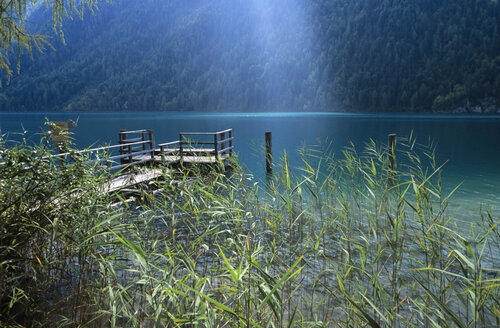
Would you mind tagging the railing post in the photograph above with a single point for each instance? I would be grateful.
(162, 154)
(223, 142)
(143, 139)
(181, 155)
(231, 142)
(151, 144)
(269, 152)
(121, 140)
(216, 147)
(392, 158)
(130, 158)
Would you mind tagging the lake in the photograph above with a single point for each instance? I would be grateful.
(471, 143)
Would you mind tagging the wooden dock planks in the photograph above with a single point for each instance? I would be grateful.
(172, 159)
(139, 161)
(133, 178)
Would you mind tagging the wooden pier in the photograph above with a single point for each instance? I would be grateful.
(140, 160)
(138, 147)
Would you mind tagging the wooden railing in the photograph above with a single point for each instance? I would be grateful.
(220, 145)
(167, 150)
(224, 145)
(115, 162)
(133, 142)
(137, 147)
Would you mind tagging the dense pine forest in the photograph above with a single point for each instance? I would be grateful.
(261, 55)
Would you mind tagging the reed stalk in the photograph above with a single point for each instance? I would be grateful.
(327, 244)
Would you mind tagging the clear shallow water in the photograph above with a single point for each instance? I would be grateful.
(470, 143)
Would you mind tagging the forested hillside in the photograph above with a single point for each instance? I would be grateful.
(260, 55)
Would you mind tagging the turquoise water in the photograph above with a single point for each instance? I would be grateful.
(471, 144)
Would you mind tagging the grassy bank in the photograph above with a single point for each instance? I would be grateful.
(328, 244)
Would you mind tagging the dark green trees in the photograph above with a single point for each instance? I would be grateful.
(18, 38)
(261, 55)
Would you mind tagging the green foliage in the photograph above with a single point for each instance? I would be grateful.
(418, 55)
(49, 209)
(329, 244)
(17, 38)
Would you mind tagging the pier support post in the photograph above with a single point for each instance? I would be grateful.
(392, 158)
(269, 152)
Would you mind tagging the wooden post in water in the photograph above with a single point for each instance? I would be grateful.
(269, 152)
(392, 158)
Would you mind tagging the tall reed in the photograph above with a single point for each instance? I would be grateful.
(330, 243)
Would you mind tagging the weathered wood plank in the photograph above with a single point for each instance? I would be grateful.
(131, 179)
(186, 150)
(186, 158)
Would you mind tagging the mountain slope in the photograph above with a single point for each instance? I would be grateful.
(240, 55)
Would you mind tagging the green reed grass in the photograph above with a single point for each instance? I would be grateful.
(328, 244)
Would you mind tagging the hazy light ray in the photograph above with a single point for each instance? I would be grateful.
(286, 54)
